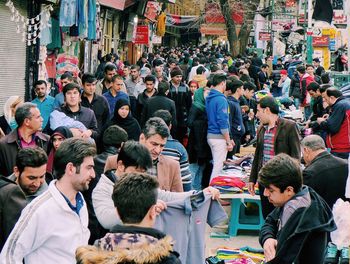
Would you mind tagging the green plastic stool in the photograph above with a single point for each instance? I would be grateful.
(244, 223)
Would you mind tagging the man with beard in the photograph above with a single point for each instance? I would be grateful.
(275, 135)
(134, 86)
(104, 85)
(52, 226)
(43, 101)
(16, 191)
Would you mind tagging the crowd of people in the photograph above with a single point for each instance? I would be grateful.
(97, 163)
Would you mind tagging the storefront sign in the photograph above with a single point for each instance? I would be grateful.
(151, 10)
(332, 45)
(119, 5)
(213, 30)
(141, 36)
(339, 17)
(320, 41)
(264, 36)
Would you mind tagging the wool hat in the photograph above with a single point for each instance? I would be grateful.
(114, 136)
(175, 72)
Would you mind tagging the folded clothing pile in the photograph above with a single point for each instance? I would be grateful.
(228, 184)
(244, 255)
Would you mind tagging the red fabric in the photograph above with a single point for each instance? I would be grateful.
(227, 181)
(340, 142)
(50, 64)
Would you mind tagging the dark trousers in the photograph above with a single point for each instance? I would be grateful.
(342, 155)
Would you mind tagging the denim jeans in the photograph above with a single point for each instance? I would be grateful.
(297, 103)
(197, 175)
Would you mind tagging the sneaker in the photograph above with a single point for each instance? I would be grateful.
(344, 256)
(332, 254)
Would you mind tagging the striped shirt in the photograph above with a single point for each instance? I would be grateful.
(269, 139)
(175, 150)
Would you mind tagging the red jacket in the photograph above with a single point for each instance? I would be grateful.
(305, 80)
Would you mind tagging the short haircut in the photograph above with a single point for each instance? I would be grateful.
(214, 68)
(248, 61)
(234, 85)
(309, 66)
(109, 67)
(88, 78)
(313, 142)
(264, 66)
(30, 157)
(23, 112)
(281, 171)
(313, 86)
(133, 153)
(249, 86)
(40, 82)
(133, 196)
(334, 92)
(150, 78)
(165, 115)
(69, 87)
(200, 70)
(163, 87)
(270, 102)
(108, 57)
(73, 150)
(155, 126)
(301, 69)
(135, 67)
(325, 78)
(67, 75)
(324, 87)
(218, 78)
(114, 136)
(117, 77)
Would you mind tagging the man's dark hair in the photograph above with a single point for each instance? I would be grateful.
(135, 154)
(67, 75)
(248, 61)
(155, 126)
(218, 78)
(135, 67)
(202, 60)
(88, 78)
(165, 115)
(324, 87)
(233, 85)
(313, 86)
(30, 157)
(232, 69)
(40, 82)
(73, 150)
(270, 102)
(309, 65)
(301, 69)
(325, 78)
(200, 70)
(249, 86)
(23, 112)
(163, 87)
(109, 67)
(114, 136)
(334, 92)
(281, 171)
(69, 87)
(133, 195)
(264, 66)
(214, 68)
(150, 78)
(108, 57)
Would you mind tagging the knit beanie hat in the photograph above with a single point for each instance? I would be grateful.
(175, 72)
(114, 136)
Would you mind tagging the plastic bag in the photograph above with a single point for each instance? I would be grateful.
(341, 213)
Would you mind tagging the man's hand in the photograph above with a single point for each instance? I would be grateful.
(251, 188)
(86, 134)
(270, 248)
(230, 145)
(247, 138)
(160, 206)
(215, 193)
(76, 132)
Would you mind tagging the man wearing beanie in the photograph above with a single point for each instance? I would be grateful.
(181, 95)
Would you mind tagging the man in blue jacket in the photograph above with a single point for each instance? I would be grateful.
(218, 123)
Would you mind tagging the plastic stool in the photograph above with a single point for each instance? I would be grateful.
(235, 223)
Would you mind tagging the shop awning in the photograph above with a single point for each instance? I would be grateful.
(117, 4)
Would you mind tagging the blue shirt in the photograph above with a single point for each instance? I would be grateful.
(45, 107)
(59, 100)
(79, 201)
(113, 100)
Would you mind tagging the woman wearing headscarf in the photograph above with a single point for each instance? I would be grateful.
(7, 121)
(59, 134)
(122, 117)
(198, 149)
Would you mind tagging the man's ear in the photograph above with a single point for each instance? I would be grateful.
(16, 171)
(152, 212)
(290, 191)
(120, 166)
(142, 138)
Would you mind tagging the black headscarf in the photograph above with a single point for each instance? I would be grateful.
(129, 124)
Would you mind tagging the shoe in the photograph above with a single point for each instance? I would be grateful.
(332, 254)
(344, 256)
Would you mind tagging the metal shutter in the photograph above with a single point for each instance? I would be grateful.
(12, 54)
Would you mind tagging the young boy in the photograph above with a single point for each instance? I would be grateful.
(296, 230)
(135, 198)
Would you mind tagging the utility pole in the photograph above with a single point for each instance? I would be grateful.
(309, 50)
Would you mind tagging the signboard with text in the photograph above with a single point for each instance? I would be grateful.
(264, 36)
(142, 35)
(322, 41)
